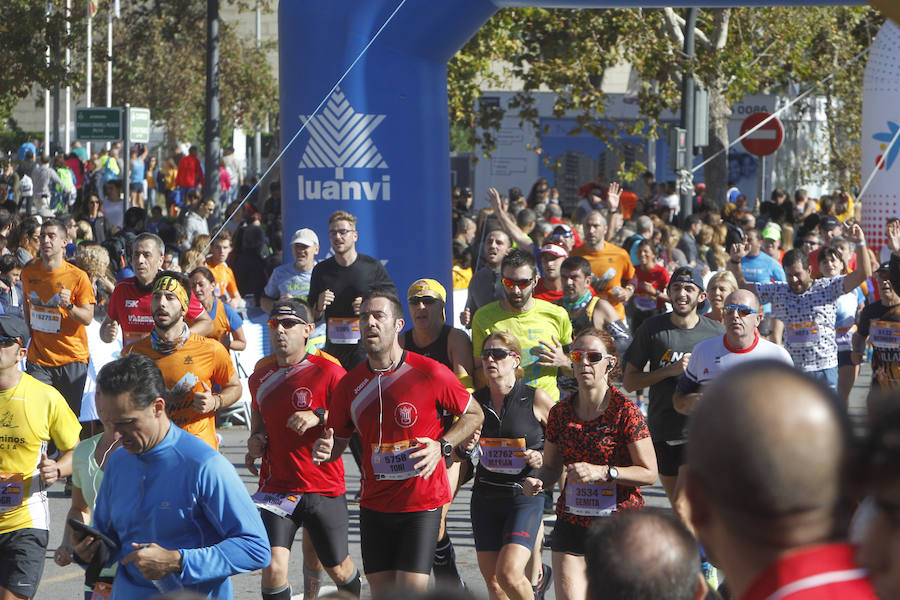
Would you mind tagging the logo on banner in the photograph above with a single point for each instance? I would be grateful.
(405, 415)
(340, 138)
(887, 157)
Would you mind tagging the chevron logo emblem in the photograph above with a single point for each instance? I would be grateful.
(339, 138)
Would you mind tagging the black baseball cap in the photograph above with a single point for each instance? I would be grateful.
(687, 275)
(829, 222)
(13, 326)
(885, 266)
(292, 307)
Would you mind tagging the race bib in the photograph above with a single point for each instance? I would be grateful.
(591, 499)
(803, 333)
(502, 455)
(885, 335)
(343, 331)
(45, 319)
(101, 591)
(644, 303)
(843, 336)
(12, 491)
(392, 461)
(282, 505)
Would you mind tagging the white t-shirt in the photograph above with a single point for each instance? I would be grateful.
(712, 357)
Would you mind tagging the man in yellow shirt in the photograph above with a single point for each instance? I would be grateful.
(31, 414)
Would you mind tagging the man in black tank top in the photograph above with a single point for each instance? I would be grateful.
(430, 336)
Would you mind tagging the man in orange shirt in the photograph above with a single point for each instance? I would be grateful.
(190, 364)
(59, 302)
(226, 286)
(609, 263)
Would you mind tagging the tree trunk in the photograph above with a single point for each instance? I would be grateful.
(715, 173)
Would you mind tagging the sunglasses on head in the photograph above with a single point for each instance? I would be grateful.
(497, 353)
(286, 323)
(741, 309)
(426, 300)
(8, 341)
(593, 356)
(519, 283)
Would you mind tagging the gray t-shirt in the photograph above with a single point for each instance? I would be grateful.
(286, 280)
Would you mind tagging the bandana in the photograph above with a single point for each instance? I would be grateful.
(167, 347)
(578, 304)
(170, 284)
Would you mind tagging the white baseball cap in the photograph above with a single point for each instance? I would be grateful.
(305, 236)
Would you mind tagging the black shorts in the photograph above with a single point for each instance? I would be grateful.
(69, 379)
(669, 458)
(844, 359)
(22, 555)
(568, 538)
(324, 517)
(136, 186)
(501, 520)
(398, 541)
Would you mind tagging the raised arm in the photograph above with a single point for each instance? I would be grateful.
(738, 251)
(509, 224)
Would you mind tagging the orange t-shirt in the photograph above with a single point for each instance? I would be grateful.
(56, 338)
(200, 360)
(225, 282)
(612, 266)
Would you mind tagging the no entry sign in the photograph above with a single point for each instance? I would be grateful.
(765, 140)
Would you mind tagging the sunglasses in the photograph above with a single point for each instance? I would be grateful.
(593, 356)
(426, 300)
(340, 232)
(497, 353)
(286, 323)
(563, 234)
(519, 283)
(741, 309)
(6, 341)
(810, 243)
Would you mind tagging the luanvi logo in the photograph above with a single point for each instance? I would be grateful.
(339, 139)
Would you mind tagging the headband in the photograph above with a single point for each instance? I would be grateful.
(167, 283)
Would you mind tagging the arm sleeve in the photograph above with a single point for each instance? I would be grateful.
(637, 352)
(315, 287)
(231, 286)
(64, 425)
(339, 412)
(112, 307)
(478, 335)
(84, 291)
(235, 321)
(231, 512)
(224, 368)
(778, 273)
(453, 397)
(271, 290)
(381, 277)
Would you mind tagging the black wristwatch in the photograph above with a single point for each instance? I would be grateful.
(446, 447)
(612, 474)
(320, 412)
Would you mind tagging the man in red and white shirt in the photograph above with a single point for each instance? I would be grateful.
(766, 481)
(291, 393)
(129, 304)
(394, 401)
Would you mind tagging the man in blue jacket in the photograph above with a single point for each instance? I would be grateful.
(176, 508)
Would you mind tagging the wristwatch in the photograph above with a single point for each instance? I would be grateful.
(320, 412)
(612, 474)
(446, 447)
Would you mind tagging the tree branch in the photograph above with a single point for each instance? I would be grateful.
(676, 23)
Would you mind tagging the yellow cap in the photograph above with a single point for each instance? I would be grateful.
(427, 287)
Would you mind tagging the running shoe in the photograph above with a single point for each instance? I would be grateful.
(544, 582)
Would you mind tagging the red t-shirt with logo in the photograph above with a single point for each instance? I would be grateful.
(130, 307)
(277, 393)
(408, 406)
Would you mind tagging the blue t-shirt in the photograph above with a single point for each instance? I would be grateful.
(762, 268)
(138, 169)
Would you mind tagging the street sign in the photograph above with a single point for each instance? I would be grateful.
(98, 124)
(139, 127)
(765, 140)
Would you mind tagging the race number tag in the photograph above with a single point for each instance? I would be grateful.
(843, 335)
(45, 319)
(644, 302)
(282, 505)
(502, 455)
(885, 335)
(803, 333)
(101, 591)
(392, 461)
(343, 331)
(591, 499)
(12, 490)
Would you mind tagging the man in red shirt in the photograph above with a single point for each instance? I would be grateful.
(394, 401)
(766, 484)
(129, 304)
(291, 392)
(190, 172)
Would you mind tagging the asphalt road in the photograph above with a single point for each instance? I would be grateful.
(66, 583)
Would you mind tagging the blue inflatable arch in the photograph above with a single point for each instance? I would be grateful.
(379, 148)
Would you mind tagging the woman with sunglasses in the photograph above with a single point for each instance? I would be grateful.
(228, 327)
(600, 439)
(505, 523)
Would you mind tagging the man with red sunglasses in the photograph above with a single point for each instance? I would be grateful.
(291, 392)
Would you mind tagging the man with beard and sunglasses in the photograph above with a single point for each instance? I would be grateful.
(543, 329)
(394, 401)
(190, 364)
(291, 393)
(741, 343)
(666, 342)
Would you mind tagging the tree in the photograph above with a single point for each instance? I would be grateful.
(740, 51)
